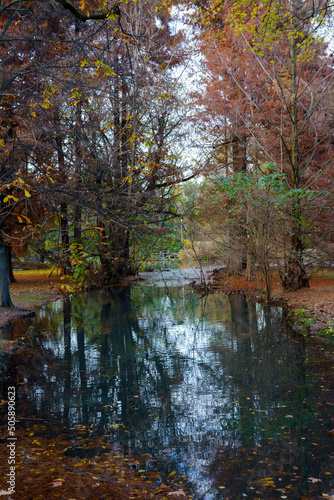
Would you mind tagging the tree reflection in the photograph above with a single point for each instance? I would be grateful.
(217, 394)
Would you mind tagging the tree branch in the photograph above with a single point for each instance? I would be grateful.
(115, 11)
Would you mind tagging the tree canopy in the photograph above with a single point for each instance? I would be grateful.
(94, 115)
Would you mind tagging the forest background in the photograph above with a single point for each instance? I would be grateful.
(124, 124)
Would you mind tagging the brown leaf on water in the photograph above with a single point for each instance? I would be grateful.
(178, 493)
(57, 483)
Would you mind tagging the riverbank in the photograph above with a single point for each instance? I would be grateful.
(315, 303)
(36, 288)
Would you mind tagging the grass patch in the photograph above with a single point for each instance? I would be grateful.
(301, 317)
(327, 332)
(42, 272)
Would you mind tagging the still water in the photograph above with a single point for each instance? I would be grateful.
(217, 389)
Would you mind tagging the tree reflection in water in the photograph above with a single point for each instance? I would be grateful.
(216, 388)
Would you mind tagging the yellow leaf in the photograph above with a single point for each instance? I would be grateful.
(27, 194)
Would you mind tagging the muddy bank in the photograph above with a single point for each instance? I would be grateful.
(317, 300)
(34, 288)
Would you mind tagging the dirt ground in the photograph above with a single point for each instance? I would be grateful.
(33, 289)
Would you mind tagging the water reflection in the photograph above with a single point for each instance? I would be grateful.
(215, 388)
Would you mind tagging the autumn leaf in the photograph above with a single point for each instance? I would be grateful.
(57, 482)
(178, 493)
(267, 481)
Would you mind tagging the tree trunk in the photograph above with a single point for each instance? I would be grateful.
(104, 254)
(122, 250)
(78, 169)
(11, 277)
(64, 236)
(250, 268)
(238, 261)
(5, 300)
(65, 240)
(294, 275)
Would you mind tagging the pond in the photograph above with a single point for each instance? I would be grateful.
(217, 389)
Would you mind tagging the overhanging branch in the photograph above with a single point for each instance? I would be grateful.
(114, 11)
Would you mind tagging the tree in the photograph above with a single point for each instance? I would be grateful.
(274, 46)
(22, 54)
(85, 127)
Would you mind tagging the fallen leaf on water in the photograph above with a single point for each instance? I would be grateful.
(314, 480)
(56, 483)
(267, 481)
(178, 493)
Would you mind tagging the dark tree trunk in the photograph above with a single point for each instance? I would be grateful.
(64, 236)
(122, 251)
(78, 169)
(293, 275)
(5, 300)
(65, 241)
(11, 277)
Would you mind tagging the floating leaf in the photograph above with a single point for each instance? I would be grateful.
(57, 482)
(178, 493)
